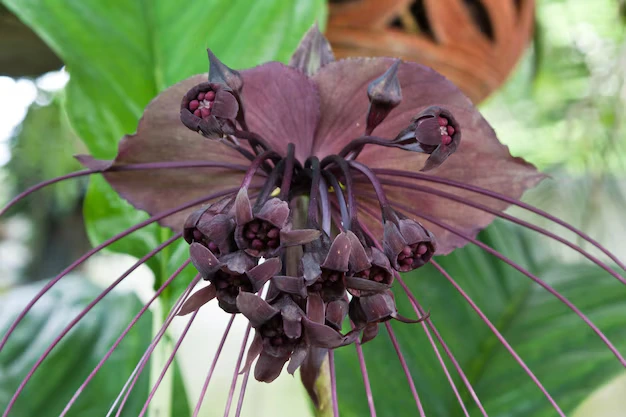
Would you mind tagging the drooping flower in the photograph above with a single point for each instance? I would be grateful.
(305, 161)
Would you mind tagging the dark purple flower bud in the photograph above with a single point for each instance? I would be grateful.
(313, 52)
(330, 282)
(284, 331)
(267, 229)
(407, 244)
(365, 312)
(203, 214)
(380, 272)
(209, 108)
(219, 73)
(239, 272)
(435, 132)
(384, 94)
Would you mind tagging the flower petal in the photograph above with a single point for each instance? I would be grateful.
(297, 358)
(256, 309)
(290, 285)
(338, 254)
(480, 160)
(197, 300)
(298, 237)
(282, 105)
(161, 137)
(203, 259)
(261, 273)
(253, 351)
(315, 308)
(321, 335)
(268, 367)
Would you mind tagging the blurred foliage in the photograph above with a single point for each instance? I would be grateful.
(78, 353)
(565, 354)
(570, 119)
(43, 148)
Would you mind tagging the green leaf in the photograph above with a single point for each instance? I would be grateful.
(120, 54)
(78, 353)
(566, 356)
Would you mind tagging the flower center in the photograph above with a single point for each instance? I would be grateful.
(445, 130)
(202, 104)
(410, 255)
(262, 235)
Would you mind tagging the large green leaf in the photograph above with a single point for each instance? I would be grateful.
(121, 53)
(565, 355)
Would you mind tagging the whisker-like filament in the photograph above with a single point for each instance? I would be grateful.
(108, 354)
(509, 218)
(501, 338)
(92, 304)
(502, 197)
(122, 168)
(205, 386)
(168, 363)
(231, 392)
(405, 368)
(366, 379)
(161, 332)
(428, 326)
(242, 393)
(103, 245)
(508, 261)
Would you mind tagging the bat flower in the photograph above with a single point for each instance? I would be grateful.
(324, 181)
(283, 332)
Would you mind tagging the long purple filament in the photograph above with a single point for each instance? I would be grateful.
(98, 248)
(509, 218)
(242, 393)
(405, 368)
(333, 383)
(121, 168)
(501, 338)
(508, 261)
(502, 197)
(428, 324)
(233, 384)
(146, 356)
(168, 363)
(366, 379)
(205, 386)
(88, 308)
(121, 337)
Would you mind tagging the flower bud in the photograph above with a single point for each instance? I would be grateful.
(209, 108)
(407, 244)
(384, 94)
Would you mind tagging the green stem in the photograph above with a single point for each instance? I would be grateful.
(323, 390)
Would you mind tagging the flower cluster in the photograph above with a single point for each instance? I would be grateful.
(317, 275)
(312, 173)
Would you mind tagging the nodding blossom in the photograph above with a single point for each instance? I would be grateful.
(300, 190)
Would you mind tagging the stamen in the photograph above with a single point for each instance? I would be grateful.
(231, 392)
(103, 245)
(502, 197)
(205, 386)
(405, 368)
(501, 338)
